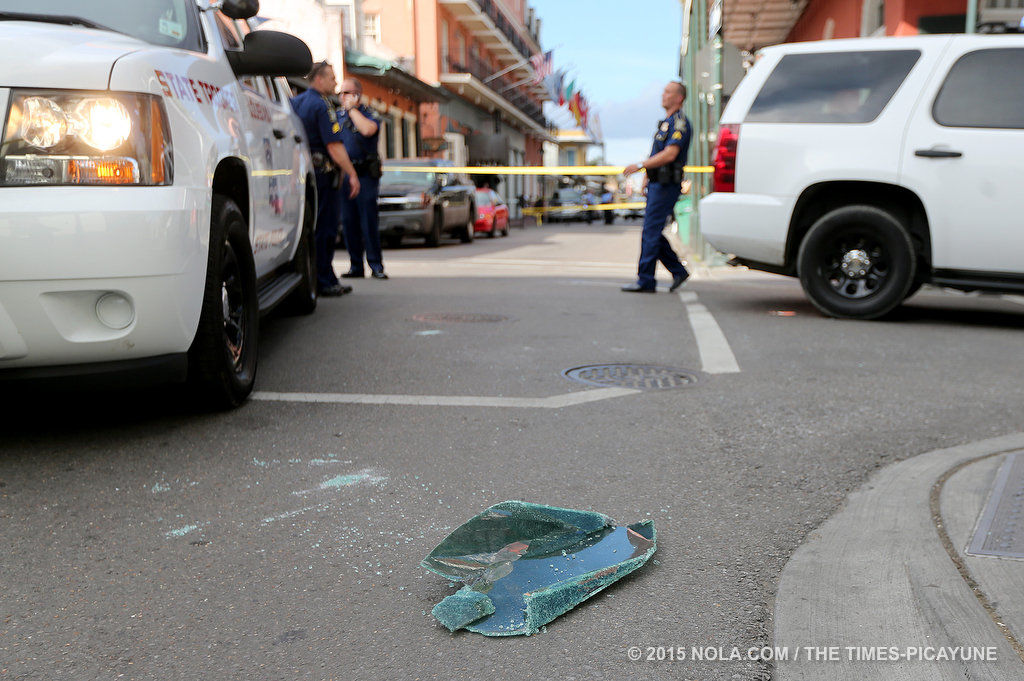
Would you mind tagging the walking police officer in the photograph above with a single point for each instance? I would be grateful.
(360, 131)
(330, 160)
(664, 178)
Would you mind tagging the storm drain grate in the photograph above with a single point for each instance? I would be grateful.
(1001, 529)
(447, 317)
(635, 376)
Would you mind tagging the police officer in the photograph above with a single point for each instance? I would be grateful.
(360, 130)
(664, 176)
(330, 161)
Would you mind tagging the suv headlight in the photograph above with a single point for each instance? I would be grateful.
(61, 137)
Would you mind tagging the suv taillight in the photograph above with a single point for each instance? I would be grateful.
(725, 158)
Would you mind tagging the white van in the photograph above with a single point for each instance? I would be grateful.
(156, 193)
(868, 167)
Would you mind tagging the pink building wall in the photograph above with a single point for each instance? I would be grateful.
(901, 17)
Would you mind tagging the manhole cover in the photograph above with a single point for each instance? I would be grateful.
(1001, 530)
(447, 317)
(635, 376)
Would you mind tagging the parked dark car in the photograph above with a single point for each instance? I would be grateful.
(567, 205)
(425, 204)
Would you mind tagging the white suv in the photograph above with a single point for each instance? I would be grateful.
(869, 167)
(156, 194)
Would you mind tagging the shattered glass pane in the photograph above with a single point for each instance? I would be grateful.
(525, 564)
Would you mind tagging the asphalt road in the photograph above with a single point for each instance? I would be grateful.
(143, 540)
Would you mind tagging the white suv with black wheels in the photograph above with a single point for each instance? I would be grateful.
(156, 194)
(868, 167)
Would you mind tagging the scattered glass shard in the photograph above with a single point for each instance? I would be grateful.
(463, 607)
(532, 563)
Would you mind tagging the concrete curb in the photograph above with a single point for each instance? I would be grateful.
(877, 576)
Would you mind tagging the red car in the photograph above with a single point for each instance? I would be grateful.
(491, 213)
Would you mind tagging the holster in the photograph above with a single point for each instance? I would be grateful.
(369, 167)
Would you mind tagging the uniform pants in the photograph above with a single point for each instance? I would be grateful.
(359, 220)
(327, 214)
(654, 247)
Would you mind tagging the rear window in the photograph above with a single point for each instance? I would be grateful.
(833, 87)
(984, 89)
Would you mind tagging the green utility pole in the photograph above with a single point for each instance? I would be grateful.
(972, 17)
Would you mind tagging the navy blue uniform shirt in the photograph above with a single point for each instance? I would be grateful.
(673, 130)
(357, 146)
(317, 115)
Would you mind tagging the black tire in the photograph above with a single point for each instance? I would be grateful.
(222, 359)
(393, 241)
(857, 262)
(433, 238)
(914, 288)
(494, 230)
(469, 232)
(303, 299)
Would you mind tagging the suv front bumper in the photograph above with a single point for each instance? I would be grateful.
(97, 274)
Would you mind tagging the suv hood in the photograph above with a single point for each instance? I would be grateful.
(39, 55)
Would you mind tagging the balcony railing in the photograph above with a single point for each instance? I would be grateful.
(505, 26)
(481, 71)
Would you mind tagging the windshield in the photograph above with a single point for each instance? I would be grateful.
(171, 23)
(407, 177)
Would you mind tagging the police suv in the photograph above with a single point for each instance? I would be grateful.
(869, 167)
(156, 196)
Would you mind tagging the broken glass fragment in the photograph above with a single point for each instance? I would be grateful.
(527, 564)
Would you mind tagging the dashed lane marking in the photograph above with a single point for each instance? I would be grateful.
(715, 354)
(553, 402)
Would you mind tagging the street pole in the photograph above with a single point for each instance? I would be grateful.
(972, 17)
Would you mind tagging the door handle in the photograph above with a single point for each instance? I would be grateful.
(937, 153)
(279, 134)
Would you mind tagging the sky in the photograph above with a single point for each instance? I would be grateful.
(621, 53)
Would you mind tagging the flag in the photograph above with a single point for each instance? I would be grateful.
(566, 96)
(574, 107)
(541, 66)
(553, 84)
(595, 127)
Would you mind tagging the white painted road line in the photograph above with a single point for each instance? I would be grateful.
(715, 354)
(553, 402)
(1013, 298)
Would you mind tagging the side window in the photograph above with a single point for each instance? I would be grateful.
(983, 89)
(834, 87)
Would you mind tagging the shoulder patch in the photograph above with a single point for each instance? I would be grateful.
(680, 123)
(335, 128)
(677, 135)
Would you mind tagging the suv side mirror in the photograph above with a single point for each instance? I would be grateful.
(271, 53)
(240, 9)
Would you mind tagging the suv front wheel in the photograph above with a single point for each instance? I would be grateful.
(857, 262)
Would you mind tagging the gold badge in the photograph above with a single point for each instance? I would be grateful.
(677, 135)
(335, 128)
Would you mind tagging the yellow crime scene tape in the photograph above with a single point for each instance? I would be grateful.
(546, 170)
(531, 170)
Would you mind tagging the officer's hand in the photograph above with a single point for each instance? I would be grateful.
(353, 184)
(630, 169)
(349, 101)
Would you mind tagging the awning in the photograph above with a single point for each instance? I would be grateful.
(753, 24)
(390, 75)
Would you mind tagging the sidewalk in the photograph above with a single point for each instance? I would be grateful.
(889, 573)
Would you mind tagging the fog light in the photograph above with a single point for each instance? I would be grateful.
(115, 311)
